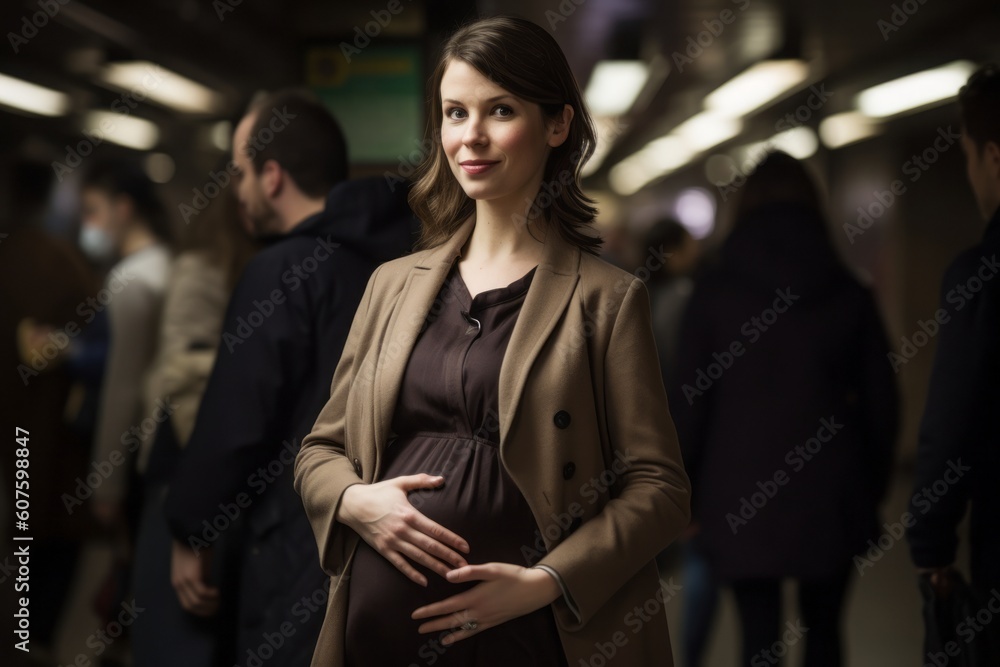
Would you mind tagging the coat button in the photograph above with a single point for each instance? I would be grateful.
(357, 467)
(561, 419)
(575, 523)
(568, 470)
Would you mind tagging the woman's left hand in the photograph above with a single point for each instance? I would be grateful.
(507, 591)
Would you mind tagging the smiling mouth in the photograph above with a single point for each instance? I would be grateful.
(477, 166)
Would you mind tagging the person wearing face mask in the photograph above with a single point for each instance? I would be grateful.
(124, 222)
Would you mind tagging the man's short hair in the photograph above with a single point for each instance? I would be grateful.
(293, 128)
(979, 105)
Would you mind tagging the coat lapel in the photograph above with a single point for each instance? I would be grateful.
(547, 297)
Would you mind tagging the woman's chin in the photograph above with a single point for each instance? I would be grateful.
(478, 192)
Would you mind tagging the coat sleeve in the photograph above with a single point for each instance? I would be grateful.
(652, 505)
(322, 469)
(958, 409)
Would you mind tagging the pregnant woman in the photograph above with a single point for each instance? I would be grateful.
(497, 468)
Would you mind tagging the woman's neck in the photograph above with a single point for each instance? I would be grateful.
(501, 236)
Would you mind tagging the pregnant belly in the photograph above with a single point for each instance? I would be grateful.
(478, 500)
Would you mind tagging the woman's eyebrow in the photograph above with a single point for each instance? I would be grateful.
(492, 99)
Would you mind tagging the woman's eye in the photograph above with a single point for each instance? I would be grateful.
(451, 112)
(507, 111)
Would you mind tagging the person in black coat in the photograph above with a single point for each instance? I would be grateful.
(958, 451)
(283, 333)
(787, 411)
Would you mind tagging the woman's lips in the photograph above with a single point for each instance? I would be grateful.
(477, 167)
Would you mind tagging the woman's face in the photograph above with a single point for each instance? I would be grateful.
(496, 143)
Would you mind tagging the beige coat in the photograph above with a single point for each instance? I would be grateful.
(190, 330)
(581, 406)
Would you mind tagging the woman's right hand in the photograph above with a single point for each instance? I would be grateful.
(382, 515)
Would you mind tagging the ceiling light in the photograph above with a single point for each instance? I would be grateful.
(146, 79)
(757, 86)
(628, 177)
(20, 94)
(672, 151)
(707, 129)
(799, 142)
(668, 152)
(846, 128)
(129, 131)
(658, 158)
(614, 85)
(915, 90)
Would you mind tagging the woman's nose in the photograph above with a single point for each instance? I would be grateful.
(475, 134)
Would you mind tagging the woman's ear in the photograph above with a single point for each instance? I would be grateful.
(559, 126)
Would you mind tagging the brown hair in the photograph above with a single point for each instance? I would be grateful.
(307, 140)
(524, 59)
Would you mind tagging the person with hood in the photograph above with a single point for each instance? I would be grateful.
(787, 413)
(282, 336)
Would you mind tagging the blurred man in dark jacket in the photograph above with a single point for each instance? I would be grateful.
(958, 457)
(283, 334)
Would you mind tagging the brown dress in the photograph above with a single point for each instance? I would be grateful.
(447, 423)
